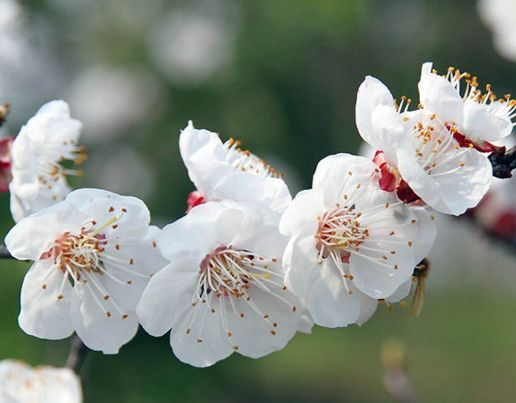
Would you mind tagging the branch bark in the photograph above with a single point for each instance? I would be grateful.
(503, 162)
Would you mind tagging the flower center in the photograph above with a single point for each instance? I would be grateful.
(338, 232)
(76, 255)
(245, 161)
(51, 171)
(229, 272)
(504, 107)
(436, 149)
(84, 261)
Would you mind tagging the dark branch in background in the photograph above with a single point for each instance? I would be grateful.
(503, 162)
(4, 253)
(77, 354)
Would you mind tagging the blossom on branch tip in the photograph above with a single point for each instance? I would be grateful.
(419, 154)
(475, 119)
(223, 290)
(93, 255)
(224, 171)
(19, 383)
(351, 243)
(38, 175)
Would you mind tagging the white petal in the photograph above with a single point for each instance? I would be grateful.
(329, 302)
(35, 234)
(273, 192)
(371, 94)
(259, 230)
(453, 193)
(201, 231)
(130, 214)
(98, 329)
(377, 277)
(388, 126)
(301, 215)
(169, 294)
(342, 177)
(300, 262)
(368, 307)
(255, 332)
(401, 293)
(199, 149)
(200, 339)
(43, 313)
(422, 232)
(481, 123)
(439, 96)
(130, 268)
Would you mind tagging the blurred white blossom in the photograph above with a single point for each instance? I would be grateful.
(500, 16)
(111, 100)
(19, 383)
(190, 45)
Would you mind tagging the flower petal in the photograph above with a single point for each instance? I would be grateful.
(301, 215)
(342, 177)
(168, 295)
(201, 231)
(439, 96)
(45, 302)
(35, 234)
(371, 94)
(482, 123)
(263, 324)
(102, 330)
(450, 193)
(329, 302)
(300, 262)
(200, 339)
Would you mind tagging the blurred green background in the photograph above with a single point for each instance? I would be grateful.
(281, 76)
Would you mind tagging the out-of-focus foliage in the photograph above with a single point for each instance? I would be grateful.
(281, 76)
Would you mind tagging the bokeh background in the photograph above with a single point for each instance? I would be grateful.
(281, 76)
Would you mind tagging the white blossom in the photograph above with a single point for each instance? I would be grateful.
(418, 154)
(477, 116)
(350, 242)
(93, 255)
(223, 171)
(19, 383)
(38, 176)
(190, 45)
(223, 290)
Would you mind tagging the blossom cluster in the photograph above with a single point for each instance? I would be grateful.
(247, 266)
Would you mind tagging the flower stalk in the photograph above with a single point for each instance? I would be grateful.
(77, 354)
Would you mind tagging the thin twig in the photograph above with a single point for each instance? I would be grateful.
(77, 354)
(4, 253)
